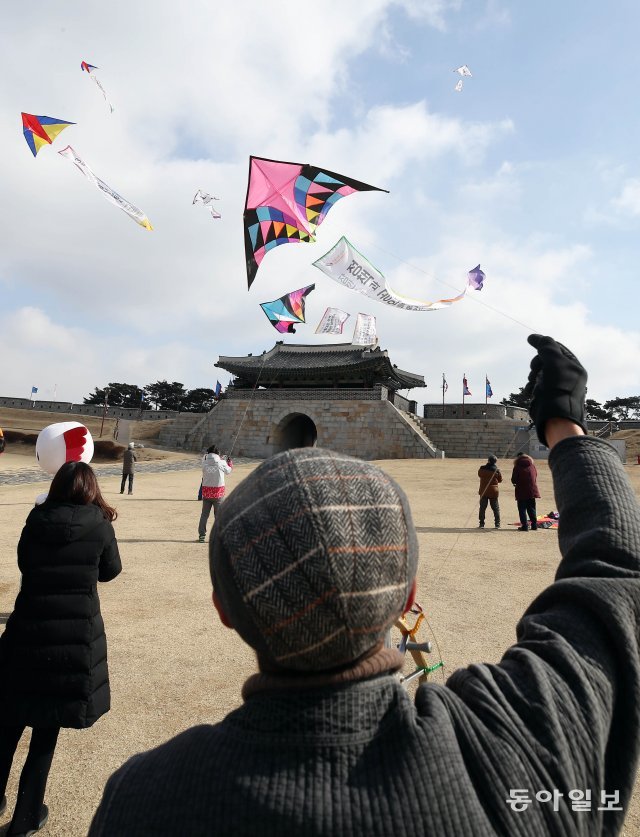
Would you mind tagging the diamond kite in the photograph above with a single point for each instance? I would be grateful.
(463, 71)
(89, 68)
(207, 200)
(345, 265)
(284, 313)
(113, 197)
(41, 130)
(286, 202)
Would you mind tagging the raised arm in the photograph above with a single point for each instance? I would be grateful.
(565, 699)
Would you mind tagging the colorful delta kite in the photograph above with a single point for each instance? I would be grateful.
(41, 130)
(207, 200)
(284, 313)
(89, 68)
(286, 202)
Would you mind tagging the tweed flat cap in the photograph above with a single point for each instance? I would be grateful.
(312, 557)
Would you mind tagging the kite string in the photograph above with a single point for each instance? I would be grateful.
(475, 299)
(446, 558)
(250, 399)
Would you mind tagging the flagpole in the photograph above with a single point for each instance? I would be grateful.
(464, 378)
(443, 395)
(486, 396)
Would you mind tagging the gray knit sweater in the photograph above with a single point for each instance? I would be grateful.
(560, 711)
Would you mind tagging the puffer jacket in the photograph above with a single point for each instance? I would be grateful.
(53, 652)
(490, 477)
(525, 478)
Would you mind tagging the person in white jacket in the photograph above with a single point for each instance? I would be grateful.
(213, 470)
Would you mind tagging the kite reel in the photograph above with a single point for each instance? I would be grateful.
(411, 642)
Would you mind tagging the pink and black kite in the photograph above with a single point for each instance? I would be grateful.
(286, 202)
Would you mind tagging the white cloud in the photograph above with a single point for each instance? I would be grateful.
(628, 201)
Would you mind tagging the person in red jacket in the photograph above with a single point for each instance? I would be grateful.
(525, 478)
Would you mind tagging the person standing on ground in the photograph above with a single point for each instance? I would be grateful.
(490, 478)
(312, 557)
(213, 488)
(525, 478)
(2, 442)
(53, 652)
(128, 468)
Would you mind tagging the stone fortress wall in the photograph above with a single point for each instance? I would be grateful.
(131, 413)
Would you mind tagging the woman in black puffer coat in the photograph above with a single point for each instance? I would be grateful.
(53, 653)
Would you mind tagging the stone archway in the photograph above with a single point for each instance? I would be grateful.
(295, 430)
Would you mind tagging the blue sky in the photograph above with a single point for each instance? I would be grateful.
(532, 170)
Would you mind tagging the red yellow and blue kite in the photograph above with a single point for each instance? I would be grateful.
(286, 202)
(88, 68)
(41, 130)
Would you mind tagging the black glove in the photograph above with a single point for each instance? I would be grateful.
(557, 384)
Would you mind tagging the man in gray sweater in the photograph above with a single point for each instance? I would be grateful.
(312, 557)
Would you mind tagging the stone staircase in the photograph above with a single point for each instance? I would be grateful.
(471, 438)
(425, 448)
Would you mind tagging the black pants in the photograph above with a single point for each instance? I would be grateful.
(33, 779)
(495, 508)
(528, 507)
(124, 479)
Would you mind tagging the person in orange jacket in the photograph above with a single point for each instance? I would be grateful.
(490, 478)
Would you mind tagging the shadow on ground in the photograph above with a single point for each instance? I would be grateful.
(461, 530)
(155, 540)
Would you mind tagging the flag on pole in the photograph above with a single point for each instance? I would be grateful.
(34, 390)
(218, 389)
(488, 390)
(445, 385)
(465, 386)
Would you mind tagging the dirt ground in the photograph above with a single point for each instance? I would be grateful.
(173, 665)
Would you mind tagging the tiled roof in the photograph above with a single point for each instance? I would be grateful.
(293, 361)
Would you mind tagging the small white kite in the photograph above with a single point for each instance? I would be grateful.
(332, 321)
(463, 71)
(207, 200)
(365, 334)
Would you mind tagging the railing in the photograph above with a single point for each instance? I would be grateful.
(379, 393)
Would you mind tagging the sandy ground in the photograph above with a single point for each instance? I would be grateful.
(173, 665)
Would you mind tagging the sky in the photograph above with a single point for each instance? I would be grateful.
(532, 170)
